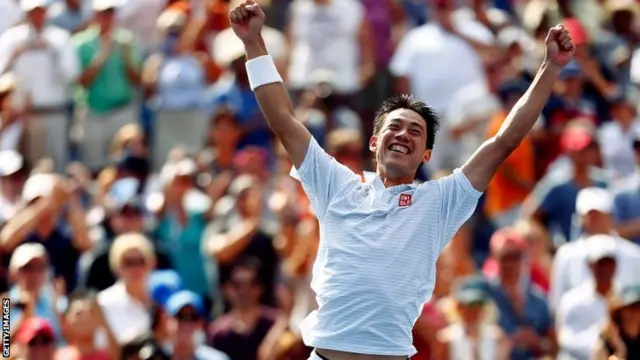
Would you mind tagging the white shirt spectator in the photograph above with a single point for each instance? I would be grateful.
(126, 316)
(439, 64)
(571, 269)
(43, 74)
(326, 37)
(617, 150)
(581, 315)
(11, 14)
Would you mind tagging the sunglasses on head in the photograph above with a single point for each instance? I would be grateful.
(41, 340)
(133, 262)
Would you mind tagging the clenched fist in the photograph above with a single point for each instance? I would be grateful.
(247, 20)
(560, 46)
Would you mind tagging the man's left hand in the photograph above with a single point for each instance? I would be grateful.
(560, 46)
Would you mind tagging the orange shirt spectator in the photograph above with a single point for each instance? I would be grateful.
(513, 181)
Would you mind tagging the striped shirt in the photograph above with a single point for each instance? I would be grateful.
(376, 261)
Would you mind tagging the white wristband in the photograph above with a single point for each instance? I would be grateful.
(262, 71)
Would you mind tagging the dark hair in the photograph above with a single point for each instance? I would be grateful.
(408, 102)
(79, 295)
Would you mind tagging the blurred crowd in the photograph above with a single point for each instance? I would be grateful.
(147, 212)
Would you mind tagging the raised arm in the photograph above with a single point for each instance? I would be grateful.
(247, 20)
(481, 167)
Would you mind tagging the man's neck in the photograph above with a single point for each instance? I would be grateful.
(603, 288)
(581, 176)
(391, 181)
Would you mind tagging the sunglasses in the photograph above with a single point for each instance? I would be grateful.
(133, 262)
(40, 340)
(187, 317)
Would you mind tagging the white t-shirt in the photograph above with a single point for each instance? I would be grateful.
(326, 37)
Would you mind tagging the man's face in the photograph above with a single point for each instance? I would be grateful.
(33, 275)
(400, 146)
(603, 270)
(596, 222)
(37, 16)
(243, 289)
(79, 318)
(225, 132)
(509, 263)
(186, 322)
(41, 347)
(573, 86)
(106, 18)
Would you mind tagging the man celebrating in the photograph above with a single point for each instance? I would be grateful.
(379, 240)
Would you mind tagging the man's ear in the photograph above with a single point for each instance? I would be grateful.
(373, 143)
(427, 156)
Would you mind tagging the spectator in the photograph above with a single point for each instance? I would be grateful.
(616, 139)
(570, 265)
(36, 340)
(125, 304)
(71, 15)
(430, 322)
(11, 112)
(621, 338)
(583, 311)
(472, 332)
(41, 221)
(554, 201)
(626, 210)
(12, 14)
(31, 292)
(186, 324)
(182, 220)
(240, 332)
(333, 35)
(175, 81)
(523, 310)
(143, 347)
(111, 64)
(26, 51)
(224, 136)
(81, 321)
(242, 233)
(13, 174)
(232, 88)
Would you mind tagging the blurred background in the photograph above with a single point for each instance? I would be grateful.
(146, 210)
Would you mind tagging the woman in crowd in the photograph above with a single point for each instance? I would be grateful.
(621, 339)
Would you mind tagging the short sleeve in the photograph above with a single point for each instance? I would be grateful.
(323, 178)
(400, 64)
(459, 201)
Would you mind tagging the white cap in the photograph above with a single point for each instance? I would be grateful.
(28, 5)
(170, 19)
(24, 253)
(601, 247)
(38, 185)
(593, 198)
(102, 5)
(227, 47)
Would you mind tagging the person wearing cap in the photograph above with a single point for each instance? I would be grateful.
(175, 80)
(523, 309)
(583, 311)
(620, 339)
(111, 63)
(46, 80)
(472, 332)
(243, 232)
(616, 138)
(35, 339)
(124, 213)
(553, 200)
(570, 270)
(126, 303)
(54, 217)
(31, 292)
(187, 316)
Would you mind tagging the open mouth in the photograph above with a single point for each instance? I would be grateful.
(399, 148)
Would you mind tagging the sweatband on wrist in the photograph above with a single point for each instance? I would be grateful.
(262, 71)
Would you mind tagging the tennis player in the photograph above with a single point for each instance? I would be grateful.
(379, 240)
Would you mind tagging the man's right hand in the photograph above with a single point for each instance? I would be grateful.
(247, 20)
